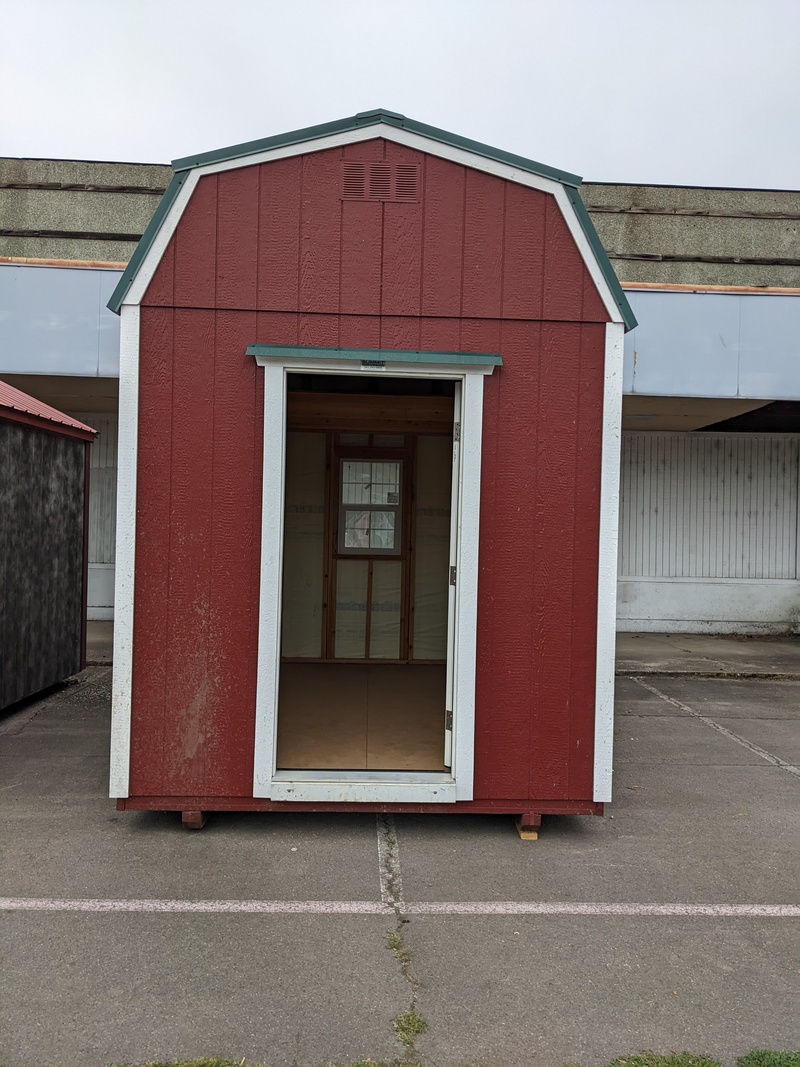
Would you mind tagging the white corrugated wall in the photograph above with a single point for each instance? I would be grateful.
(102, 513)
(709, 532)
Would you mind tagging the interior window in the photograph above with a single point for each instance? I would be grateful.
(369, 507)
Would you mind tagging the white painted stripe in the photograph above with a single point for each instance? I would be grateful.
(370, 907)
(757, 750)
(512, 907)
(243, 907)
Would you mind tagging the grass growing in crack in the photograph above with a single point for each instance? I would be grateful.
(394, 941)
(409, 1026)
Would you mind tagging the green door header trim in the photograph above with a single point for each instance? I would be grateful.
(375, 355)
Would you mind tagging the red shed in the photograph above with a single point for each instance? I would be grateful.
(370, 394)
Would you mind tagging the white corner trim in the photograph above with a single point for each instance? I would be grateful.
(607, 564)
(125, 552)
(392, 787)
(461, 156)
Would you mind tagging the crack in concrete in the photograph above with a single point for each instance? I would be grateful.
(391, 880)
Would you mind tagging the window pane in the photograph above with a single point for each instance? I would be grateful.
(354, 439)
(356, 481)
(386, 440)
(381, 530)
(356, 529)
(385, 483)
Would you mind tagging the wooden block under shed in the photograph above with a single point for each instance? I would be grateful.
(194, 820)
(527, 826)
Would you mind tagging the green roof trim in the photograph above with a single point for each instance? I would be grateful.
(146, 240)
(376, 355)
(182, 167)
(374, 118)
(603, 262)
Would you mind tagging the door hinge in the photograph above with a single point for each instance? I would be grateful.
(448, 720)
(456, 431)
(452, 576)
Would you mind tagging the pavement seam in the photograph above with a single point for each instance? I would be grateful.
(391, 882)
(757, 750)
(389, 873)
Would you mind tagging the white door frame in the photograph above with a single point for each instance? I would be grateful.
(366, 786)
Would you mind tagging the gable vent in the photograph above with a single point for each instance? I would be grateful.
(396, 183)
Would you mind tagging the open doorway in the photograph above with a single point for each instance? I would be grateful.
(367, 550)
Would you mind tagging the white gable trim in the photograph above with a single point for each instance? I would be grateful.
(369, 133)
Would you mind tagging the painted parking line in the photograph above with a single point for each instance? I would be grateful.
(370, 907)
(757, 750)
(240, 907)
(548, 907)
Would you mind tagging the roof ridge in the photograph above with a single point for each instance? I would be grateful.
(13, 399)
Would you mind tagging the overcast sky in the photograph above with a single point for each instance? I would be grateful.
(692, 92)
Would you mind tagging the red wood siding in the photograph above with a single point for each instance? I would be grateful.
(197, 566)
(277, 237)
(271, 254)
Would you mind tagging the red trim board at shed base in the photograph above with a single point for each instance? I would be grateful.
(370, 397)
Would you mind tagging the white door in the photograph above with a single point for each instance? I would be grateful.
(453, 580)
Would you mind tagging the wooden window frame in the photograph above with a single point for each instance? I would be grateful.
(404, 555)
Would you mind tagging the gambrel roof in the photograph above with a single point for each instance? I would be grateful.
(366, 126)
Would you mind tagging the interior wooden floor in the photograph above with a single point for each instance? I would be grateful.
(367, 717)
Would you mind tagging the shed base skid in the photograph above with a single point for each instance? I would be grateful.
(529, 812)
(194, 820)
(528, 825)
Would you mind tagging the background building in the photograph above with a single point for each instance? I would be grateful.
(711, 407)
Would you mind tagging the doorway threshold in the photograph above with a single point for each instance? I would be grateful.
(421, 787)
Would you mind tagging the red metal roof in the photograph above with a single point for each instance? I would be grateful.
(18, 406)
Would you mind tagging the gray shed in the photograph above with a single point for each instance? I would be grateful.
(44, 499)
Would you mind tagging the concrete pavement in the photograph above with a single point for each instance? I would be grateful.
(700, 817)
(708, 654)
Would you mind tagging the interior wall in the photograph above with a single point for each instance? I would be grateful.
(304, 546)
(432, 548)
(304, 556)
